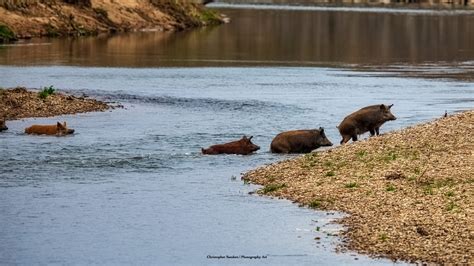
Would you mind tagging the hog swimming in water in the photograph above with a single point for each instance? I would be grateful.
(243, 146)
(3, 126)
(299, 141)
(58, 129)
(369, 118)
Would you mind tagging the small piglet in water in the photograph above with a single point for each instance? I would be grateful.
(243, 146)
(299, 141)
(58, 129)
(369, 118)
(2, 125)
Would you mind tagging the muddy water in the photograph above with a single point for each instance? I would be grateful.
(130, 187)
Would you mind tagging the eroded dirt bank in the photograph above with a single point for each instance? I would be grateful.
(84, 17)
(409, 194)
(22, 103)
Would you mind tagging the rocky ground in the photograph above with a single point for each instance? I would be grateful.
(58, 18)
(22, 103)
(409, 194)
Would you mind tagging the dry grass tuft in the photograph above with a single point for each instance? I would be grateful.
(409, 193)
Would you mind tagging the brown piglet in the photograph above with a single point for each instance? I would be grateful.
(3, 126)
(243, 146)
(58, 129)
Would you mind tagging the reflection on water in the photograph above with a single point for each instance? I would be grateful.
(272, 37)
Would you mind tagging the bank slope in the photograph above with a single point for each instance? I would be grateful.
(409, 194)
(28, 18)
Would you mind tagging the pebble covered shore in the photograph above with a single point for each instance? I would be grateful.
(409, 194)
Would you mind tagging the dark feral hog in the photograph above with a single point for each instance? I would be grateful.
(2, 125)
(299, 141)
(243, 146)
(369, 118)
(58, 129)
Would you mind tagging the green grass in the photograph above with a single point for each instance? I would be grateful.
(391, 156)
(351, 185)
(46, 91)
(314, 204)
(451, 206)
(6, 34)
(361, 154)
(209, 17)
(330, 173)
(383, 237)
(390, 188)
(272, 187)
(450, 193)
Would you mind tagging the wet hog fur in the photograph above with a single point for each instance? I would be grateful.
(369, 118)
(243, 146)
(3, 126)
(299, 141)
(58, 129)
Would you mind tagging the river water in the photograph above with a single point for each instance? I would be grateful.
(131, 187)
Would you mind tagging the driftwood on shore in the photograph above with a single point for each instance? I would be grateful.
(409, 194)
(22, 103)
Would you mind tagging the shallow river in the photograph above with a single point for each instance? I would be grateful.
(131, 187)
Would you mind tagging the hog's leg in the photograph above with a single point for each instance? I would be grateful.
(354, 137)
(345, 139)
(372, 132)
(377, 130)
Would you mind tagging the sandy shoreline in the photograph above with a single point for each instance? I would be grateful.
(409, 193)
(20, 103)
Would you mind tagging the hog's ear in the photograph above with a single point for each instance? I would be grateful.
(250, 138)
(59, 125)
(64, 124)
(244, 137)
(321, 130)
(390, 106)
(383, 107)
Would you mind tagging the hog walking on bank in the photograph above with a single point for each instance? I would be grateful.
(243, 146)
(2, 125)
(58, 129)
(299, 141)
(369, 118)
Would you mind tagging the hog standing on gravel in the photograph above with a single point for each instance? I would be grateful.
(243, 146)
(2, 125)
(58, 129)
(299, 141)
(369, 118)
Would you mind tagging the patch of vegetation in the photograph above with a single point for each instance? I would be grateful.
(330, 173)
(451, 206)
(361, 154)
(46, 91)
(272, 187)
(51, 31)
(351, 185)
(391, 156)
(430, 186)
(383, 237)
(318, 228)
(450, 193)
(315, 204)
(6, 34)
(390, 188)
(209, 17)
